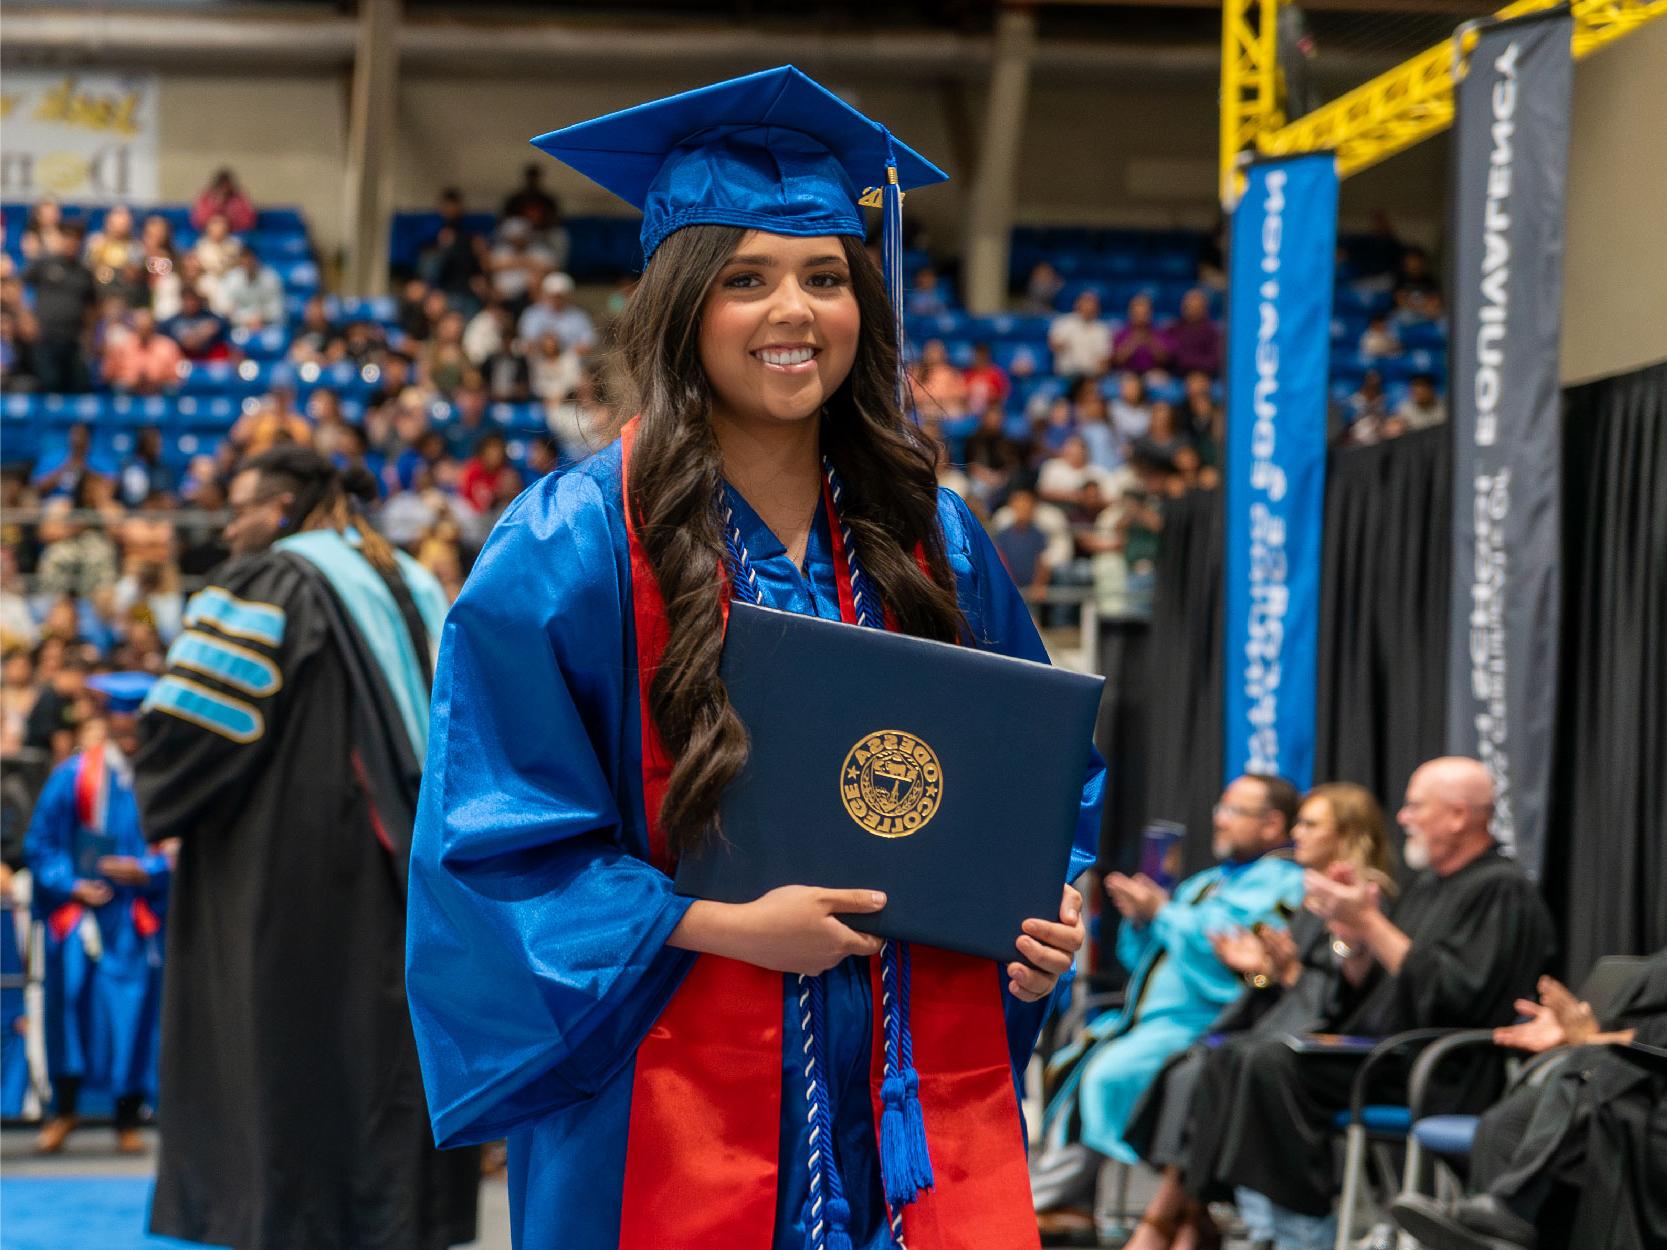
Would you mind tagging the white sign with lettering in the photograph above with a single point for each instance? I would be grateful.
(86, 138)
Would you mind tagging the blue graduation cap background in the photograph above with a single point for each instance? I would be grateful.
(123, 692)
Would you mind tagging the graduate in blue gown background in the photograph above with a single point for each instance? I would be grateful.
(580, 737)
(100, 891)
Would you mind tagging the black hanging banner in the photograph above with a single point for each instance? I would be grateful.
(1510, 150)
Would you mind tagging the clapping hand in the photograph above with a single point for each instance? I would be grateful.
(1138, 898)
(1242, 951)
(1284, 960)
(1339, 896)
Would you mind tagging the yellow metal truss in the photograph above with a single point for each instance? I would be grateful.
(1250, 88)
(1396, 109)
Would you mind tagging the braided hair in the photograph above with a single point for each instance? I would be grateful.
(324, 497)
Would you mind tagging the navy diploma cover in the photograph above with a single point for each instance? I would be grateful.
(946, 776)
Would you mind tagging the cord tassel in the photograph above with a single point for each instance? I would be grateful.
(905, 1162)
(914, 1120)
(839, 1219)
(827, 1215)
(891, 255)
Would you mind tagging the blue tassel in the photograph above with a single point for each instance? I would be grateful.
(914, 1122)
(897, 1173)
(839, 1219)
(914, 1131)
(905, 1162)
(891, 254)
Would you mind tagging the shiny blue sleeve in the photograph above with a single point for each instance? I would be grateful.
(48, 847)
(536, 956)
(1000, 621)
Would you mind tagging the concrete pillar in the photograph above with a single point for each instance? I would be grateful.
(370, 143)
(994, 189)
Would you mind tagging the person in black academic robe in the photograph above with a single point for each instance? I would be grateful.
(281, 747)
(1532, 1172)
(1469, 937)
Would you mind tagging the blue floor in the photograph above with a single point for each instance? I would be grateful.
(78, 1213)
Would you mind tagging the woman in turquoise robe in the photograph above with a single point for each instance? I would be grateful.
(1177, 986)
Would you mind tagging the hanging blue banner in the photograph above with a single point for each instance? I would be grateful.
(1282, 259)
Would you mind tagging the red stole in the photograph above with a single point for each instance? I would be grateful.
(702, 1152)
(92, 809)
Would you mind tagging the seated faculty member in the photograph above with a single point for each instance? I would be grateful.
(1177, 985)
(1467, 940)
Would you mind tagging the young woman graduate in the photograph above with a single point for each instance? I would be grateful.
(661, 1081)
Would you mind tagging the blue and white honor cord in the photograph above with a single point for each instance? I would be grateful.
(905, 1165)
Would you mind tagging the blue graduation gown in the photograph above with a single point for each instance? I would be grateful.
(1176, 988)
(536, 950)
(101, 1014)
(14, 1058)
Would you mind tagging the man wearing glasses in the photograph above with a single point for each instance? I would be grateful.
(1177, 986)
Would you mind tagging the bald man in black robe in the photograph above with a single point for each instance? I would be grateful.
(1469, 938)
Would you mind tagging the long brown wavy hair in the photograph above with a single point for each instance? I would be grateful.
(885, 463)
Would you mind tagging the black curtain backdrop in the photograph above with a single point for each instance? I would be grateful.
(1383, 653)
(1164, 749)
(1382, 688)
(1606, 865)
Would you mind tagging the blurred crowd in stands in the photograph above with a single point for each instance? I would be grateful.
(145, 354)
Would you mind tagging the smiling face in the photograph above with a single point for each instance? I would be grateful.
(779, 328)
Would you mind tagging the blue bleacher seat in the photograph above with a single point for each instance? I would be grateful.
(271, 343)
(277, 248)
(280, 221)
(1182, 267)
(67, 410)
(181, 449)
(604, 248)
(18, 407)
(410, 232)
(345, 378)
(214, 414)
(138, 411)
(527, 418)
(1360, 300)
(381, 308)
(1021, 358)
(299, 276)
(208, 377)
(1171, 391)
(1423, 336)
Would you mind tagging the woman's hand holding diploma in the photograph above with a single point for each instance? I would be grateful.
(1051, 947)
(793, 928)
(796, 928)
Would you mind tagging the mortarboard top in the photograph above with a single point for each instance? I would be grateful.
(123, 692)
(772, 151)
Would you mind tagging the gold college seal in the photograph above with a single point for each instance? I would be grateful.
(890, 783)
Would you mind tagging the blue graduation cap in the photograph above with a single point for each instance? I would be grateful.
(123, 692)
(773, 151)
